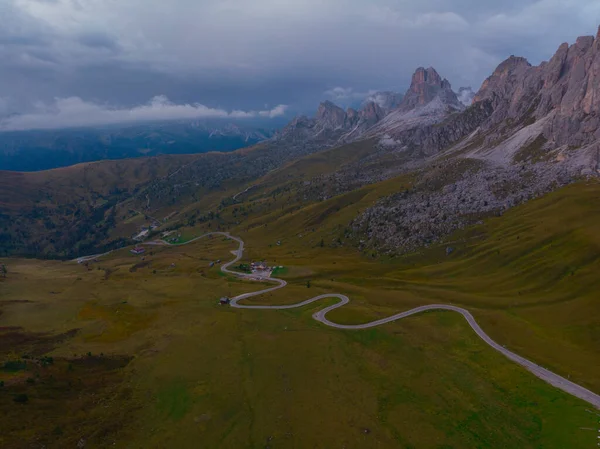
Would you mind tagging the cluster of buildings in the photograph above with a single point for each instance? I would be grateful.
(260, 267)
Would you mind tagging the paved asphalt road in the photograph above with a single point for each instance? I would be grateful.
(544, 374)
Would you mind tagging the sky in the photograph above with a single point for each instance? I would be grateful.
(86, 62)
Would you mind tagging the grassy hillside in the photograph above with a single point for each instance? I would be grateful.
(530, 276)
(66, 211)
(94, 178)
(142, 356)
(90, 207)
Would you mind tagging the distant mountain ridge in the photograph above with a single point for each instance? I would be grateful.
(429, 99)
(426, 84)
(42, 150)
(331, 123)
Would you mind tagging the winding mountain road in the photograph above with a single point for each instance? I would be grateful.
(544, 374)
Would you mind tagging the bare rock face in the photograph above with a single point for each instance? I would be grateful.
(429, 101)
(426, 84)
(504, 79)
(564, 91)
(370, 114)
(352, 114)
(330, 116)
(300, 129)
(430, 138)
(332, 124)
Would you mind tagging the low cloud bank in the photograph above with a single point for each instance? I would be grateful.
(347, 93)
(74, 112)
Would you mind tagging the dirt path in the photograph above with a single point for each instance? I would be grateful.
(235, 197)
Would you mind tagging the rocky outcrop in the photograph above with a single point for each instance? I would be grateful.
(370, 114)
(352, 114)
(429, 101)
(559, 99)
(435, 207)
(430, 139)
(329, 116)
(503, 81)
(425, 86)
(332, 124)
(300, 129)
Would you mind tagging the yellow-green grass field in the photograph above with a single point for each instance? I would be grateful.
(143, 356)
(531, 276)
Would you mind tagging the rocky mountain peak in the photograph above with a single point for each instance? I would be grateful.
(425, 76)
(426, 84)
(371, 112)
(584, 43)
(507, 73)
(327, 108)
(331, 124)
(330, 115)
(512, 64)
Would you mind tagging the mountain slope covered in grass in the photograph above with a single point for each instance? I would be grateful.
(69, 211)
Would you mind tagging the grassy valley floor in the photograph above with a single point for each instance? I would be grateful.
(137, 353)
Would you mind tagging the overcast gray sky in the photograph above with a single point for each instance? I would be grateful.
(87, 61)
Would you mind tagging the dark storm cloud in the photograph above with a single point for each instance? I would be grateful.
(253, 55)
